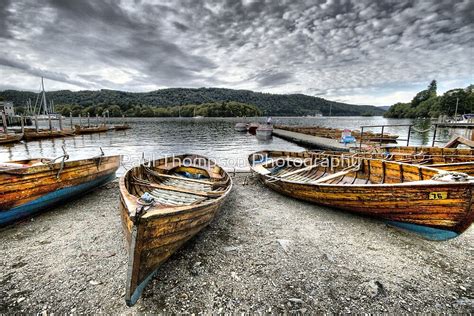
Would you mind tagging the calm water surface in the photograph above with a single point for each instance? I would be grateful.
(212, 137)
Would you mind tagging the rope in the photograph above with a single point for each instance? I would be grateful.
(422, 130)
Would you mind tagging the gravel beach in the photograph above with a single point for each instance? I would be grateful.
(264, 252)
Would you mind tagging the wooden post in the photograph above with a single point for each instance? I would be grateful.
(49, 122)
(70, 118)
(409, 132)
(88, 120)
(22, 122)
(123, 119)
(60, 122)
(434, 135)
(4, 123)
(80, 120)
(381, 136)
(36, 123)
(97, 119)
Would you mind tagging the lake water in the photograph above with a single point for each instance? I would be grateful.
(212, 137)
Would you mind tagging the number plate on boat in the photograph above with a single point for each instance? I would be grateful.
(438, 195)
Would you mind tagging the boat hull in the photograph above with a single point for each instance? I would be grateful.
(51, 199)
(90, 130)
(152, 237)
(408, 196)
(264, 133)
(47, 134)
(401, 206)
(28, 191)
(155, 240)
(8, 139)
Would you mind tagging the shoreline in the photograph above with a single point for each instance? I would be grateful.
(262, 253)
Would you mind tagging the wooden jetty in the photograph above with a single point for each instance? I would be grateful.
(335, 133)
(309, 141)
(30, 186)
(163, 205)
(432, 202)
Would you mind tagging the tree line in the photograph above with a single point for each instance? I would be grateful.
(160, 100)
(427, 103)
(212, 109)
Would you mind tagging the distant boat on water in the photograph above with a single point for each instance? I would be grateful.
(317, 114)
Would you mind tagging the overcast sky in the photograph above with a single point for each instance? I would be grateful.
(360, 51)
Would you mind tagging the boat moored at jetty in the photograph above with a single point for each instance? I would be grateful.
(264, 131)
(90, 129)
(10, 138)
(240, 127)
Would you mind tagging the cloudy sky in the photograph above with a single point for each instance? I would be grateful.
(360, 51)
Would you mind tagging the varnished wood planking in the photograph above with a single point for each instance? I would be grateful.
(162, 229)
(395, 192)
(21, 186)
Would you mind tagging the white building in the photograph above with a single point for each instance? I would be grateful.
(7, 107)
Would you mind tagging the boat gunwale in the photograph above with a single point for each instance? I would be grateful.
(57, 165)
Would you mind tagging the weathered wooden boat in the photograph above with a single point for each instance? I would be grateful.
(90, 129)
(163, 205)
(264, 131)
(252, 128)
(240, 127)
(434, 203)
(30, 186)
(42, 134)
(10, 138)
(122, 127)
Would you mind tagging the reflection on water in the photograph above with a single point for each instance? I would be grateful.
(212, 137)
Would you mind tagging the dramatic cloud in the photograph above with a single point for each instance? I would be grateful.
(371, 52)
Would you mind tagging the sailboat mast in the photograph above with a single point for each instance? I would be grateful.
(45, 105)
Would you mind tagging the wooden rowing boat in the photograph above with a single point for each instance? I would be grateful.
(121, 127)
(34, 135)
(434, 203)
(163, 205)
(91, 129)
(30, 186)
(10, 138)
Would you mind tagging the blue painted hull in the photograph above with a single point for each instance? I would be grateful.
(50, 199)
(138, 291)
(427, 232)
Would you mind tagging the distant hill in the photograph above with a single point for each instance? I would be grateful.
(269, 104)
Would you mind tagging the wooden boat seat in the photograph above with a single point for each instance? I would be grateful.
(173, 165)
(174, 198)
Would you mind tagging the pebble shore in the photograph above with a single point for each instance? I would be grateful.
(264, 252)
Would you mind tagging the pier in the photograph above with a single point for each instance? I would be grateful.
(310, 141)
